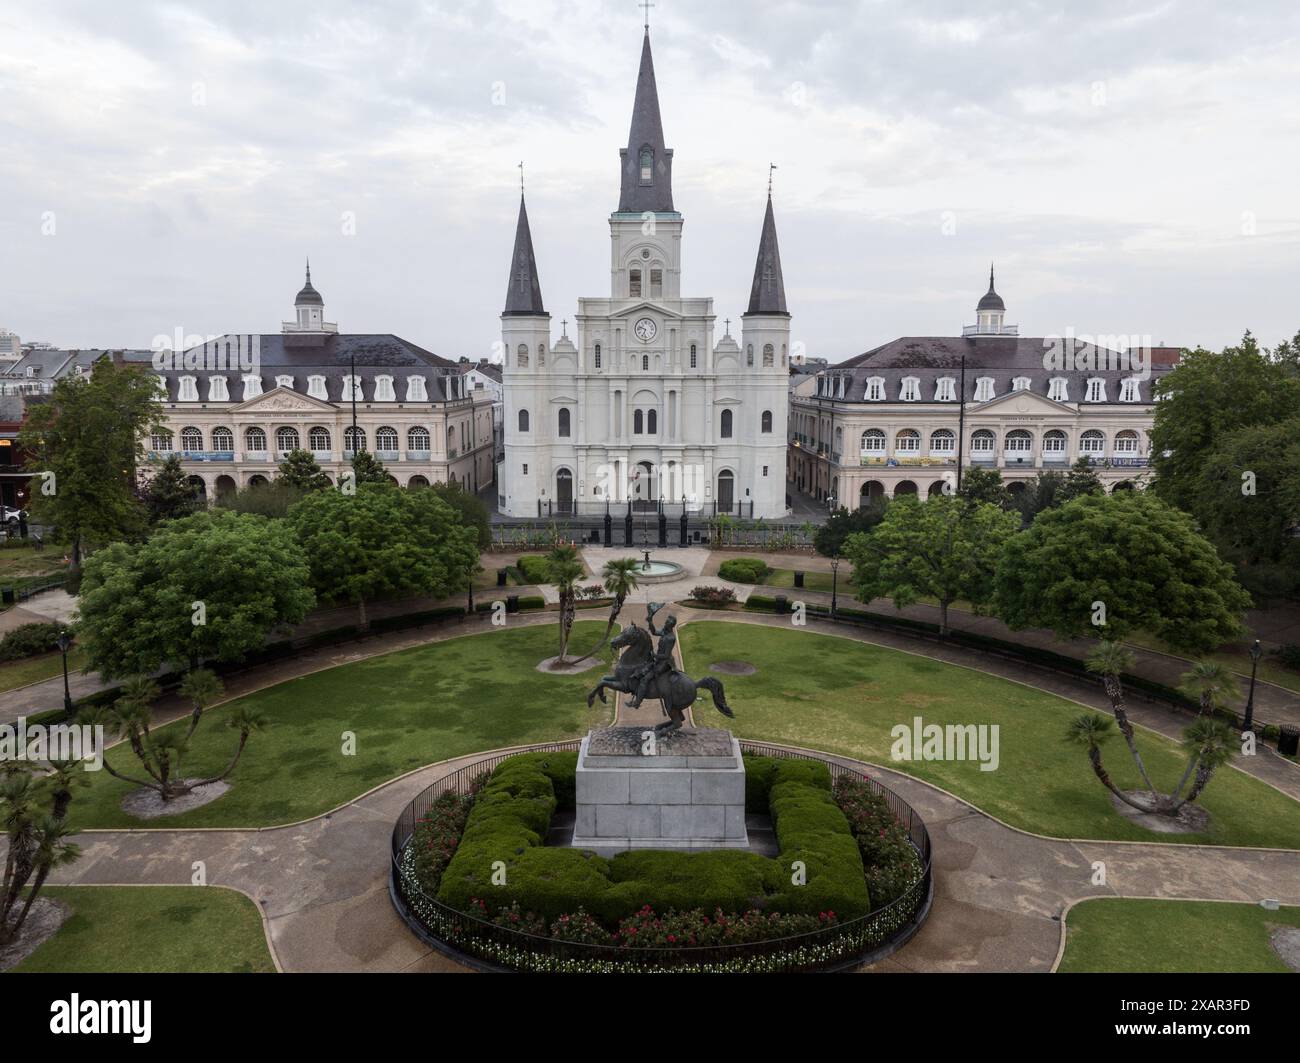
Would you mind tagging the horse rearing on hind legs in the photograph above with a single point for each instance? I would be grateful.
(675, 690)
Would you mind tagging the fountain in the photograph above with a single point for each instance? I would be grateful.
(655, 571)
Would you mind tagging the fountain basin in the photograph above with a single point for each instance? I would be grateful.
(658, 571)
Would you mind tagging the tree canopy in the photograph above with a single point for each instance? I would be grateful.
(945, 548)
(829, 539)
(169, 494)
(300, 471)
(1144, 561)
(382, 541)
(207, 587)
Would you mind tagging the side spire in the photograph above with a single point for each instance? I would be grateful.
(647, 182)
(767, 295)
(524, 293)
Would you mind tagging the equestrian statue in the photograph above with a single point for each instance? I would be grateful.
(645, 670)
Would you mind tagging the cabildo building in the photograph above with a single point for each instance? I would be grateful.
(238, 404)
(645, 407)
(899, 419)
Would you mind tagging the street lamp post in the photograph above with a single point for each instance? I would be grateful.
(1255, 652)
(64, 642)
(835, 583)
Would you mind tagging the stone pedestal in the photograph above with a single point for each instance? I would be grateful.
(690, 794)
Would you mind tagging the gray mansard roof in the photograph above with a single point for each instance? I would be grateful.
(1003, 358)
(314, 354)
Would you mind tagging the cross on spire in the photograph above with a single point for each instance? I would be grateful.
(564, 325)
(771, 169)
(647, 6)
(521, 178)
(728, 323)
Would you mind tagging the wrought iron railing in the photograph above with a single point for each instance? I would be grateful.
(486, 944)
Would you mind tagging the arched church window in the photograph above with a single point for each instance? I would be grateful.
(647, 166)
(645, 361)
(652, 422)
(523, 420)
(638, 422)
(522, 360)
(769, 356)
(727, 423)
(564, 422)
(634, 283)
(749, 354)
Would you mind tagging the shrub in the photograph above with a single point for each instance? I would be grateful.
(744, 570)
(892, 865)
(29, 640)
(438, 834)
(717, 596)
(535, 569)
(1288, 655)
(532, 601)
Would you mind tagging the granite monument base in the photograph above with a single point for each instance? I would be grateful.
(687, 791)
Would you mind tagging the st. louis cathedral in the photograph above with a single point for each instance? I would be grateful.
(643, 406)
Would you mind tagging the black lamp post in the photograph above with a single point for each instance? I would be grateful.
(1255, 652)
(64, 642)
(835, 583)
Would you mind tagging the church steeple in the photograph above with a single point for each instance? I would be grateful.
(767, 294)
(524, 293)
(647, 163)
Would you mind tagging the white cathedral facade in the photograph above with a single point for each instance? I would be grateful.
(645, 408)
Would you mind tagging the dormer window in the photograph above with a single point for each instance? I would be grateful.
(1096, 390)
(984, 389)
(384, 389)
(876, 389)
(910, 390)
(1021, 383)
(1130, 390)
(1059, 389)
(284, 382)
(252, 387)
(188, 390)
(217, 390)
(945, 389)
(351, 389)
(415, 391)
(647, 166)
(316, 388)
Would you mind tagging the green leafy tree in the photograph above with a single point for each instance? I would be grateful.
(1082, 480)
(208, 587)
(1111, 660)
(86, 444)
(37, 840)
(1143, 562)
(300, 472)
(985, 485)
(169, 494)
(945, 548)
(1210, 395)
(381, 542)
(473, 513)
(1040, 493)
(273, 500)
(162, 753)
(828, 540)
(369, 469)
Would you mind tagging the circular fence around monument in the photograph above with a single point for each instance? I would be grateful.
(486, 945)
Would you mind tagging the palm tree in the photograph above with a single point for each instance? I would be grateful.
(1210, 683)
(52, 849)
(200, 688)
(620, 580)
(1210, 744)
(1111, 660)
(35, 843)
(1091, 730)
(565, 570)
(245, 721)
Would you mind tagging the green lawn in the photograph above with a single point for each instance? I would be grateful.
(153, 929)
(14, 674)
(406, 709)
(812, 581)
(1270, 668)
(1166, 937)
(844, 696)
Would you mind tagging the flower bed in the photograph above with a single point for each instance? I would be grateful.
(564, 910)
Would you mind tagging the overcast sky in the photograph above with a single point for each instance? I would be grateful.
(1132, 167)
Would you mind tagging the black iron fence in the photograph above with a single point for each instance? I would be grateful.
(486, 944)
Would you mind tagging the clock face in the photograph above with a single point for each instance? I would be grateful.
(645, 330)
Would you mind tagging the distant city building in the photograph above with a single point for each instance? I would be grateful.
(238, 404)
(642, 406)
(11, 348)
(897, 420)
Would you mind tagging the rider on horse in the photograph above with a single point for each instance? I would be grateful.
(647, 677)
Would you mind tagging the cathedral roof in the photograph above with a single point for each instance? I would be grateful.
(647, 133)
(524, 293)
(767, 295)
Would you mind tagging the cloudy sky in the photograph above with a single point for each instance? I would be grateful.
(1132, 167)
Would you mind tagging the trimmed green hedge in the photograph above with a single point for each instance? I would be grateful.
(744, 570)
(30, 640)
(533, 569)
(510, 820)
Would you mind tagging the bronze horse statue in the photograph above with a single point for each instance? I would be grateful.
(675, 690)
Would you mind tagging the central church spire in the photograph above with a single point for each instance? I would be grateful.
(647, 164)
